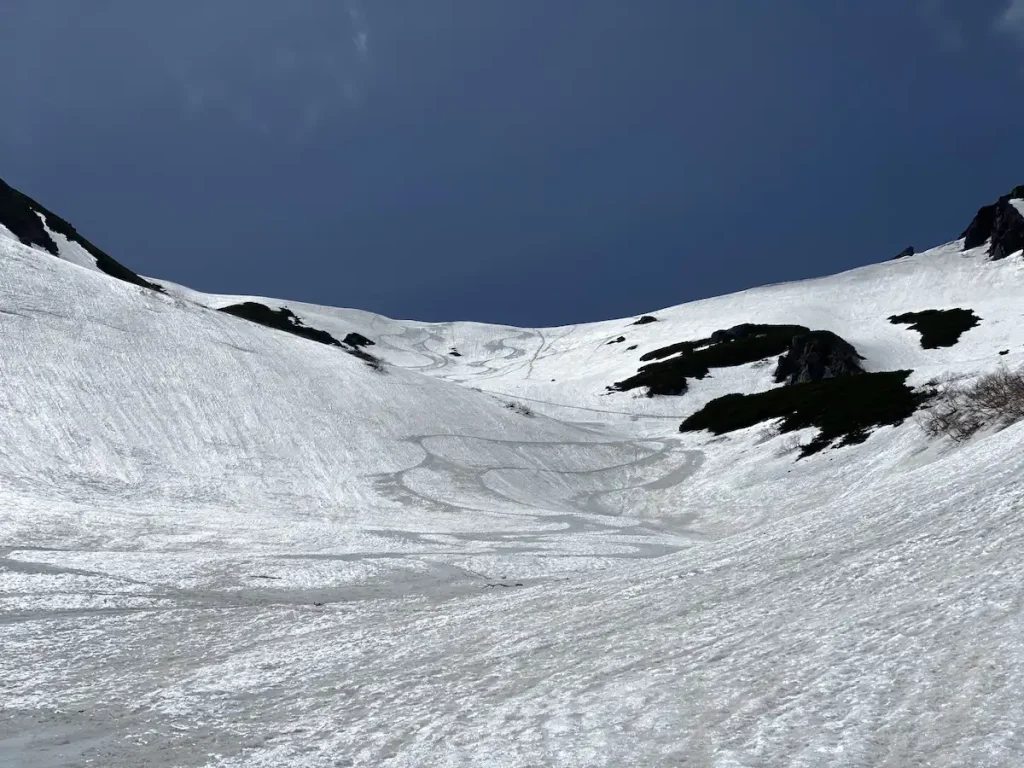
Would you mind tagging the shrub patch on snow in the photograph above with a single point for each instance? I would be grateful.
(806, 356)
(961, 407)
(522, 410)
(20, 214)
(843, 409)
(283, 319)
(938, 327)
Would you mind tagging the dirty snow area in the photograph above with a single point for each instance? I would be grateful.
(224, 545)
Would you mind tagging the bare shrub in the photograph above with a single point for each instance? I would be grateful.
(522, 410)
(767, 433)
(960, 409)
(792, 444)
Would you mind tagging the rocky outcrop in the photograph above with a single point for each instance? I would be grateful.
(741, 331)
(355, 339)
(806, 355)
(844, 410)
(1000, 224)
(21, 215)
(938, 327)
(816, 356)
(283, 319)
(908, 251)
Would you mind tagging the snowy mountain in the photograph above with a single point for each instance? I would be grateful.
(241, 531)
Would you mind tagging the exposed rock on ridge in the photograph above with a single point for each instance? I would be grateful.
(21, 215)
(806, 355)
(1000, 224)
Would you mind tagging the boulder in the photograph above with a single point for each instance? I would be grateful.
(816, 356)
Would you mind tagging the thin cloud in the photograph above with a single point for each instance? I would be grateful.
(1011, 20)
(280, 73)
(360, 30)
(943, 27)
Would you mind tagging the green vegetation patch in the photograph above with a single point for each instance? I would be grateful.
(844, 409)
(938, 327)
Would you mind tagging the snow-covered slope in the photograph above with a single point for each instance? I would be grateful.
(565, 371)
(223, 544)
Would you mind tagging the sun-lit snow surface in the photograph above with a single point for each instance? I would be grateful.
(222, 545)
(572, 365)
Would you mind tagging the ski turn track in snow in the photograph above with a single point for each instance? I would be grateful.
(223, 546)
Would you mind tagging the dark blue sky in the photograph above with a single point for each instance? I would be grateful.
(523, 161)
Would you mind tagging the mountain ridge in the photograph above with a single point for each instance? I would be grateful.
(226, 544)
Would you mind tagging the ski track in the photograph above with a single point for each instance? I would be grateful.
(576, 517)
(223, 546)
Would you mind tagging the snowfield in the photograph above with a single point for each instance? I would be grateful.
(224, 545)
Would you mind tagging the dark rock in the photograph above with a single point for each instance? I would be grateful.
(1000, 224)
(679, 348)
(282, 319)
(843, 409)
(980, 229)
(1007, 234)
(20, 214)
(938, 327)
(630, 349)
(646, 320)
(618, 340)
(908, 251)
(816, 356)
(741, 345)
(741, 331)
(1004, 352)
(454, 352)
(357, 340)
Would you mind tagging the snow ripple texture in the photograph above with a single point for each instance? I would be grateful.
(221, 545)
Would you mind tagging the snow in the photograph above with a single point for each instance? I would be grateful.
(69, 250)
(223, 545)
(521, 363)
